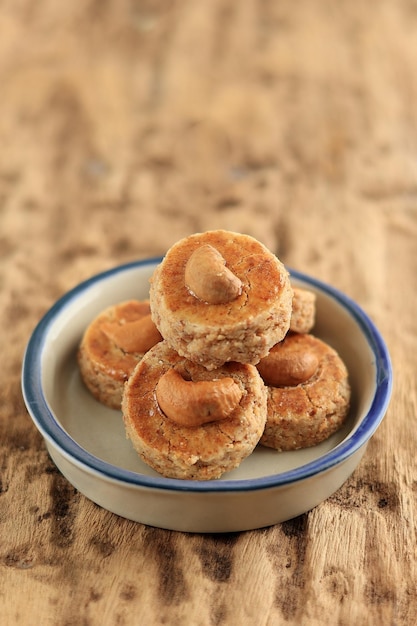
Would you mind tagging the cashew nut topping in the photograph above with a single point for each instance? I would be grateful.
(190, 403)
(137, 336)
(287, 366)
(208, 278)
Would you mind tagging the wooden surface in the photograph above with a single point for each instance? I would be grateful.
(127, 125)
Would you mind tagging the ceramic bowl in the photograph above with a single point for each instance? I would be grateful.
(87, 441)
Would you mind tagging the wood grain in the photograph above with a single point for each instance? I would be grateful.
(127, 125)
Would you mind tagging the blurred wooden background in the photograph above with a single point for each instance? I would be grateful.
(127, 125)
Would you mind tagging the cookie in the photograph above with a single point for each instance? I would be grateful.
(111, 347)
(216, 417)
(221, 296)
(308, 392)
(303, 314)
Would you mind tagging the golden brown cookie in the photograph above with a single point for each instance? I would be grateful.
(220, 296)
(111, 347)
(308, 392)
(216, 418)
(303, 314)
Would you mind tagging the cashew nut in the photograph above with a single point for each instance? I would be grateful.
(208, 278)
(136, 336)
(190, 403)
(287, 366)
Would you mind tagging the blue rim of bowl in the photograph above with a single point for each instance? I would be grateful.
(53, 432)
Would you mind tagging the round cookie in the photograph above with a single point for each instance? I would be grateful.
(255, 316)
(302, 413)
(303, 314)
(200, 452)
(111, 347)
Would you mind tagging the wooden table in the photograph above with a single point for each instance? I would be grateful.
(125, 126)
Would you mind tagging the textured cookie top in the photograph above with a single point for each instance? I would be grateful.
(263, 277)
(100, 342)
(325, 392)
(305, 414)
(201, 452)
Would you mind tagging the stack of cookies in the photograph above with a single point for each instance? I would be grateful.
(219, 360)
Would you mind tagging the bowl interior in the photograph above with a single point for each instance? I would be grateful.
(99, 432)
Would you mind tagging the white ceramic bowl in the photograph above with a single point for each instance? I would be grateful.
(87, 441)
